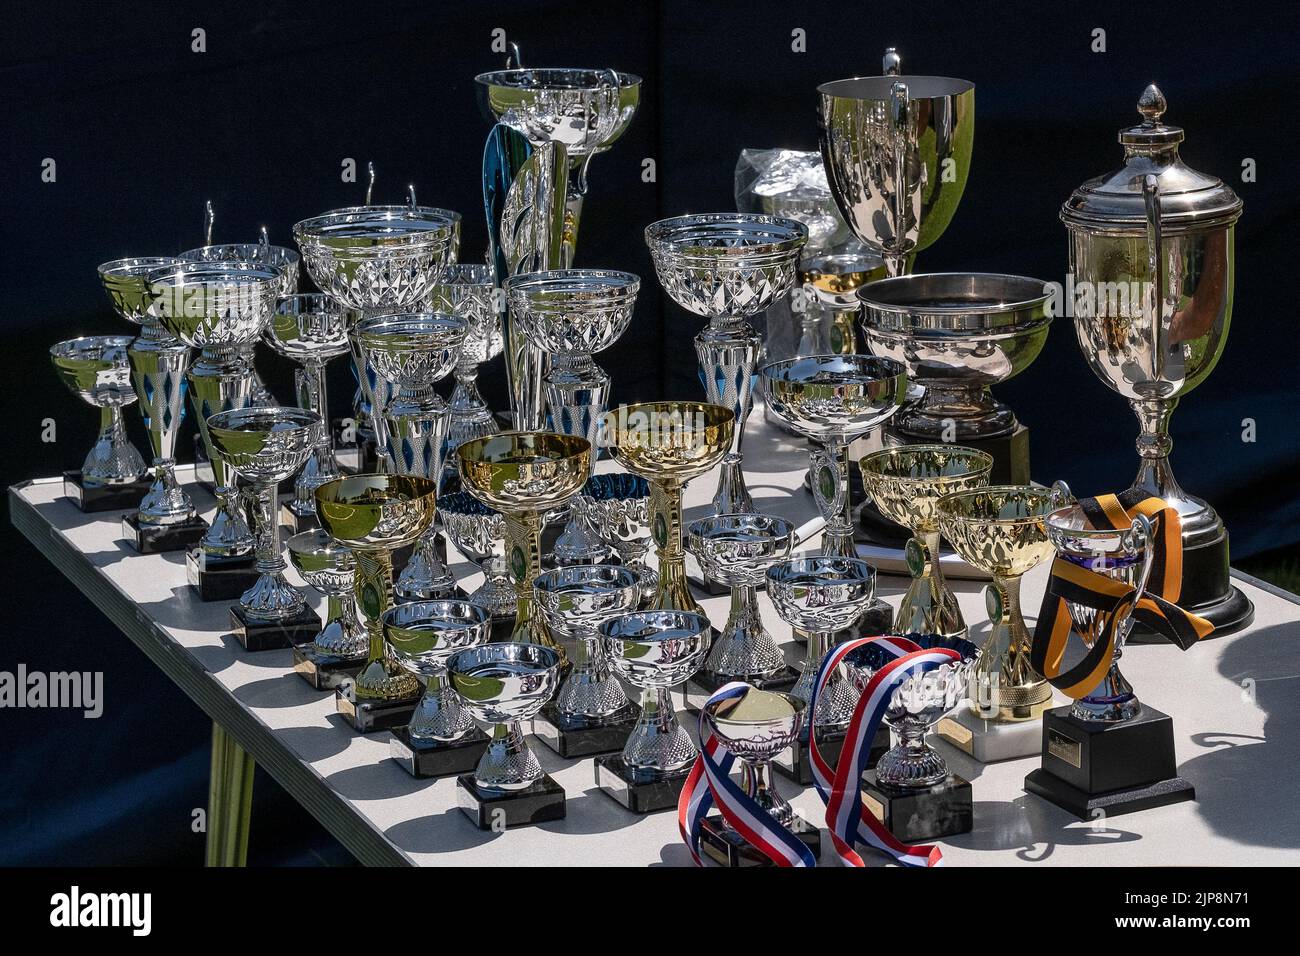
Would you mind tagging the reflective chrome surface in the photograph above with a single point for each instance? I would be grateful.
(575, 602)
(822, 595)
(737, 550)
(331, 568)
(421, 636)
(757, 726)
(725, 267)
(1125, 555)
(831, 400)
(618, 507)
(266, 446)
(897, 151)
(97, 370)
(957, 333)
(503, 684)
(655, 651)
(914, 707)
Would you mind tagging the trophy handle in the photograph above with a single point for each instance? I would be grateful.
(898, 119)
(208, 218)
(1060, 495)
(514, 59)
(370, 182)
(1141, 535)
(892, 63)
(1151, 198)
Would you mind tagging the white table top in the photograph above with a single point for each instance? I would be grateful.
(1235, 702)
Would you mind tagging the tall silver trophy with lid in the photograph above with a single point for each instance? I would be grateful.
(1151, 256)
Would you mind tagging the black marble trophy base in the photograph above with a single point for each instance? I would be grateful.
(256, 635)
(162, 538)
(492, 810)
(795, 761)
(638, 790)
(436, 758)
(705, 683)
(1094, 769)
(368, 716)
(219, 579)
(917, 814)
(324, 671)
(1207, 591)
(93, 499)
(573, 737)
(728, 848)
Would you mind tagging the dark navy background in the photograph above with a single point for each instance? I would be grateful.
(144, 130)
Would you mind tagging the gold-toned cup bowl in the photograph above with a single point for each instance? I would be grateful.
(906, 483)
(671, 439)
(524, 471)
(1000, 529)
(376, 512)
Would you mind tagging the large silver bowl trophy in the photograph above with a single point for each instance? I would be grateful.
(1162, 233)
(551, 122)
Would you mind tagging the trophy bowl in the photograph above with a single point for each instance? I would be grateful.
(376, 512)
(572, 312)
(503, 684)
(378, 257)
(215, 305)
(479, 533)
(585, 110)
(310, 327)
(421, 636)
(468, 291)
(957, 333)
(125, 281)
(906, 484)
(412, 349)
(914, 707)
(889, 144)
(618, 507)
(1002, 530)
(280, 258)
(524, 471)
(96, 369)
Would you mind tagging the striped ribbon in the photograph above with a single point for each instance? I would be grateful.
(709, 782)
(848, 821)
(1156, 607)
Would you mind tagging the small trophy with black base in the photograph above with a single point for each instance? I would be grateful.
(338, 652)
(505, 685)
(441, 738)
(1107, 753)
(911, 790)
(590, 713)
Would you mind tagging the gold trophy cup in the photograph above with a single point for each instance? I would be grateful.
(374, 515)
(1001, 530)
(906, 484)
(668, 443)
(522, 475)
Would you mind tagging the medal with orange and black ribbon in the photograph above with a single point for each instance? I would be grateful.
(1152, 559)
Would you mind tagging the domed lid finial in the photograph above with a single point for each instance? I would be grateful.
(1152, 105)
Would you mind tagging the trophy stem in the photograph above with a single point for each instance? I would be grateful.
(158, 364)
(165, 502)
(439, 715)
(590, 690)
(470, 416)
(342, 636)
(831, 483)
(1002, 685)
(221, 380)
(574, 193)
(577, 390)
(507, 764)
(674, 592)
(1113, 700)
(744, 650)
(1155, 477)
(756, 781)
(912, 763)
(728, 350)
(658, 742)
(271, 598)
(496, 594)
(320, 466)
(929, 606)
(524, 556)
(380, 679)
(838, 700)
(112, 460)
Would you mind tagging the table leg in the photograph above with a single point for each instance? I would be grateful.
(230, 801)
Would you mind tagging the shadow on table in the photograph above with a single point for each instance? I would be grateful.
(1245, 785)
(446, 832)
(376, 781)
(313, 744)
(1033, 828)
(283, 690)
(590, 811)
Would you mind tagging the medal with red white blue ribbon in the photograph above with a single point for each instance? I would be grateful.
(710, 782)
(848, 821)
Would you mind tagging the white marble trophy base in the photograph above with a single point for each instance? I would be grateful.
(989, 741)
